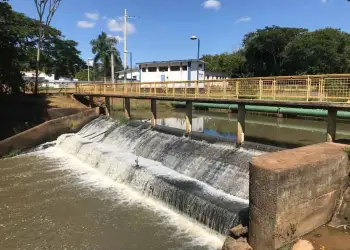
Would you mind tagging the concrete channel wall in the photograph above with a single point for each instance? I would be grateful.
(292, 192)
(47, 131)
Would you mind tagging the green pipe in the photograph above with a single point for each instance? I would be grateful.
(266, 109)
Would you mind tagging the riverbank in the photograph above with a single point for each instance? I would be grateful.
(21, 112)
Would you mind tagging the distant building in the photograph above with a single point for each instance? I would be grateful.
(131, 74)
(179, 70)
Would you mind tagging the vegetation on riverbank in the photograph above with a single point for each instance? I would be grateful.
(21, 112)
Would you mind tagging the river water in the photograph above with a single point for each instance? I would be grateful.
(51, 200)
(284, 132)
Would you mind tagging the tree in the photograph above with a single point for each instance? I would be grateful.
(263, 49)
(324, 51)
(46, 9)
(233, 64)
(102, 47)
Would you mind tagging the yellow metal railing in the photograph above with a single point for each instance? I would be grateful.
(313, 88)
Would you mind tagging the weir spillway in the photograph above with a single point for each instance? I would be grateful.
(208, 182)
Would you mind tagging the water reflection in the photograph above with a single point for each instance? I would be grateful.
(265, 129)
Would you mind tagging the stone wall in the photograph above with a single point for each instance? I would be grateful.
(47, 131)
(60, 112)
(294, 191)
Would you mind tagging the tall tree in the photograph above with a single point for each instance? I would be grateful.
(263, 49)
(102, 47)
(324, 51)
(46, 9)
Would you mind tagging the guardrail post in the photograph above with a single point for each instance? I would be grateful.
(260, 88)
(331, 124)
(95, 88)
(321, 89)
(173, 89)
(155, 88)
(274, 89)
(196, 90)
(186, 89)
(224, 89)
(154, 112)
(237, 89)
(127, 112)
(104, 87)
(188, 117)
(308, 85)
(240, 125)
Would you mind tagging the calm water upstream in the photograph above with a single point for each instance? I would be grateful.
(51, 200)
(260, 128)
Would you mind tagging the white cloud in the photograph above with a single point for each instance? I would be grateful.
(324, 1)
(244, 19)
(118, 38)
(92, 16)
(118, 26)
(86, 24)
(212, 4)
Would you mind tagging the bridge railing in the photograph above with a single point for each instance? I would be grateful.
(328, 88)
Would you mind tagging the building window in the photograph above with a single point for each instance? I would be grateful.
(174, 68)
(152, 69)
(163, 69)
(143, 69)
(200, 66)
(184, 68)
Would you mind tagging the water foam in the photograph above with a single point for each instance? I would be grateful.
(123, 194)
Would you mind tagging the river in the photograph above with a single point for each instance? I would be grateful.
(51, 200)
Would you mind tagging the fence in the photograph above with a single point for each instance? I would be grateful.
(325, 88)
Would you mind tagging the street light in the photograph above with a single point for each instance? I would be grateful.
(193, 38)
(88, 63)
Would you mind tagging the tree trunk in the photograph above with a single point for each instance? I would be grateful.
(37, 68)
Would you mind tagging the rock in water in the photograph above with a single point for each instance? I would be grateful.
(303, 245)
(238, 232)
(239, 244)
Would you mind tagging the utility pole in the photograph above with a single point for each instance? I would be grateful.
(125, 43)
(126, 17)
(112, 66)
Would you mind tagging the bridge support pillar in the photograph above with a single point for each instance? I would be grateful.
(331, 124)
(240, 125)
(188, 117)
(91, 101)
(154, 112)
(127, 113)
(108, 104)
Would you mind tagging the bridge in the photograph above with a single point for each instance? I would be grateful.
(329, 92)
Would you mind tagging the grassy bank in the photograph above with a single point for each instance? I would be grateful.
(21, 112)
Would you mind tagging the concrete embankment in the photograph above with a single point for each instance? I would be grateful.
(49, 130)
(293, 192)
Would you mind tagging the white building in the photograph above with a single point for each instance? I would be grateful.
(133, 74)
(180, 70)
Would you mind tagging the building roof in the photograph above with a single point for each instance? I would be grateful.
(172, 61)
(134, 70)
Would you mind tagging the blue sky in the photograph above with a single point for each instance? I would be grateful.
(162, 32)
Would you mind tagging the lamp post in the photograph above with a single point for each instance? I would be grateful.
(88, 63)
(193, 38)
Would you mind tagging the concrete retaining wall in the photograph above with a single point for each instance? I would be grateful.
(47, 131)
(60, 112)
(294, 191)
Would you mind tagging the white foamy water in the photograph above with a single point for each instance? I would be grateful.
(123, 194)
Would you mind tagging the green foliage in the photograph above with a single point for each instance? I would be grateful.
(19, 37)
(275, 51)
(102, 47)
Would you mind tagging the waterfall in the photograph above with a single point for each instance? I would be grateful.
(208, 182)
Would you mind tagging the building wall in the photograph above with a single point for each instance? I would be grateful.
(181, 75)
(128, 75)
